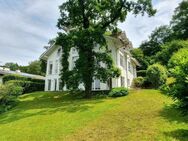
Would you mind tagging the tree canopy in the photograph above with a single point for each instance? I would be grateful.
(179, 23)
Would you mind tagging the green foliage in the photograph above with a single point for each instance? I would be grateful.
(28, 86)
(12, 66)
(157, 75)
(9, 77)
(169, 49)
(179, 21)
(139, 55)
(35, 67)
(178, 65)
(158, 37)
(139, 82)
(118, 92)
(141, 73)
(8, 94)
(86, 22)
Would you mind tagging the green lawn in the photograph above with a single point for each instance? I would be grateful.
(143, 115)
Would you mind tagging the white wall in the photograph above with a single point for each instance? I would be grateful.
(55, 75)
(128, 75)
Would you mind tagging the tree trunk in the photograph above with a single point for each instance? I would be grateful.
(88, 73)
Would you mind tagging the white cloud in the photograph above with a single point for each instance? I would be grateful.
(27, 25)
(140, 27)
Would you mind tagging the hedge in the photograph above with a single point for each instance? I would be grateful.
(28, 86)
(9, 77)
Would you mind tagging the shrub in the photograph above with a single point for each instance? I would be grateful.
(10, 77)
(118, 92)
(8, 94)
(169, 49)
(141, 73)
(28, 86)
(157, 75)
(138, 82)
(178, 67)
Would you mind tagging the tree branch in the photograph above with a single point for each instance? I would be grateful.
(85, 19)
(115, 16)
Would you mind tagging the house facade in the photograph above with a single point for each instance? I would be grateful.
(120, 48)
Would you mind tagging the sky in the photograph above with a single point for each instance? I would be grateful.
(26, 26)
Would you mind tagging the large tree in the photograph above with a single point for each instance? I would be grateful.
(12, 66)
(157, 38)
(179, 21)
(86, 21)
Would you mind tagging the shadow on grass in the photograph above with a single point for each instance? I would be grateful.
(45, 104)
(180, 134)
(172, 114)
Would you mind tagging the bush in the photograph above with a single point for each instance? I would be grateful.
(178, 67)
(8, 94)
(139, 82)
(118, 92)
(28, 86)
(10, 77)
(157, 75)
(169, 49)
(141, 73)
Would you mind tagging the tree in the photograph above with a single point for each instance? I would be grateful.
(168, 49)
(179, 21)
(139, 55)
(86, 22)
(12, 66)
(158, 37)
(34, 67)
(178, 65)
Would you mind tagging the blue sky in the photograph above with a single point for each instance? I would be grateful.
(27, 25)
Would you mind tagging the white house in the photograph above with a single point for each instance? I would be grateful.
(120, 48)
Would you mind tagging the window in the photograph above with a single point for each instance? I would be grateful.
(49, 84)
(122, 81)
(97, 84)
(74, 51)
(59, 52)
(129, 66)
(74, 60)
(56, 66)
(50, 68)
(60, 85)
(129, 82)
(55, 84)
(121, 60)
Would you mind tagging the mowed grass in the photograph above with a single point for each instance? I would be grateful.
(143, 115)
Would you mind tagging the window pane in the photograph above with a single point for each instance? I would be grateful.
(49, 85)
(122, 81)
(97, 84)
(121, 60)
(50, 68)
